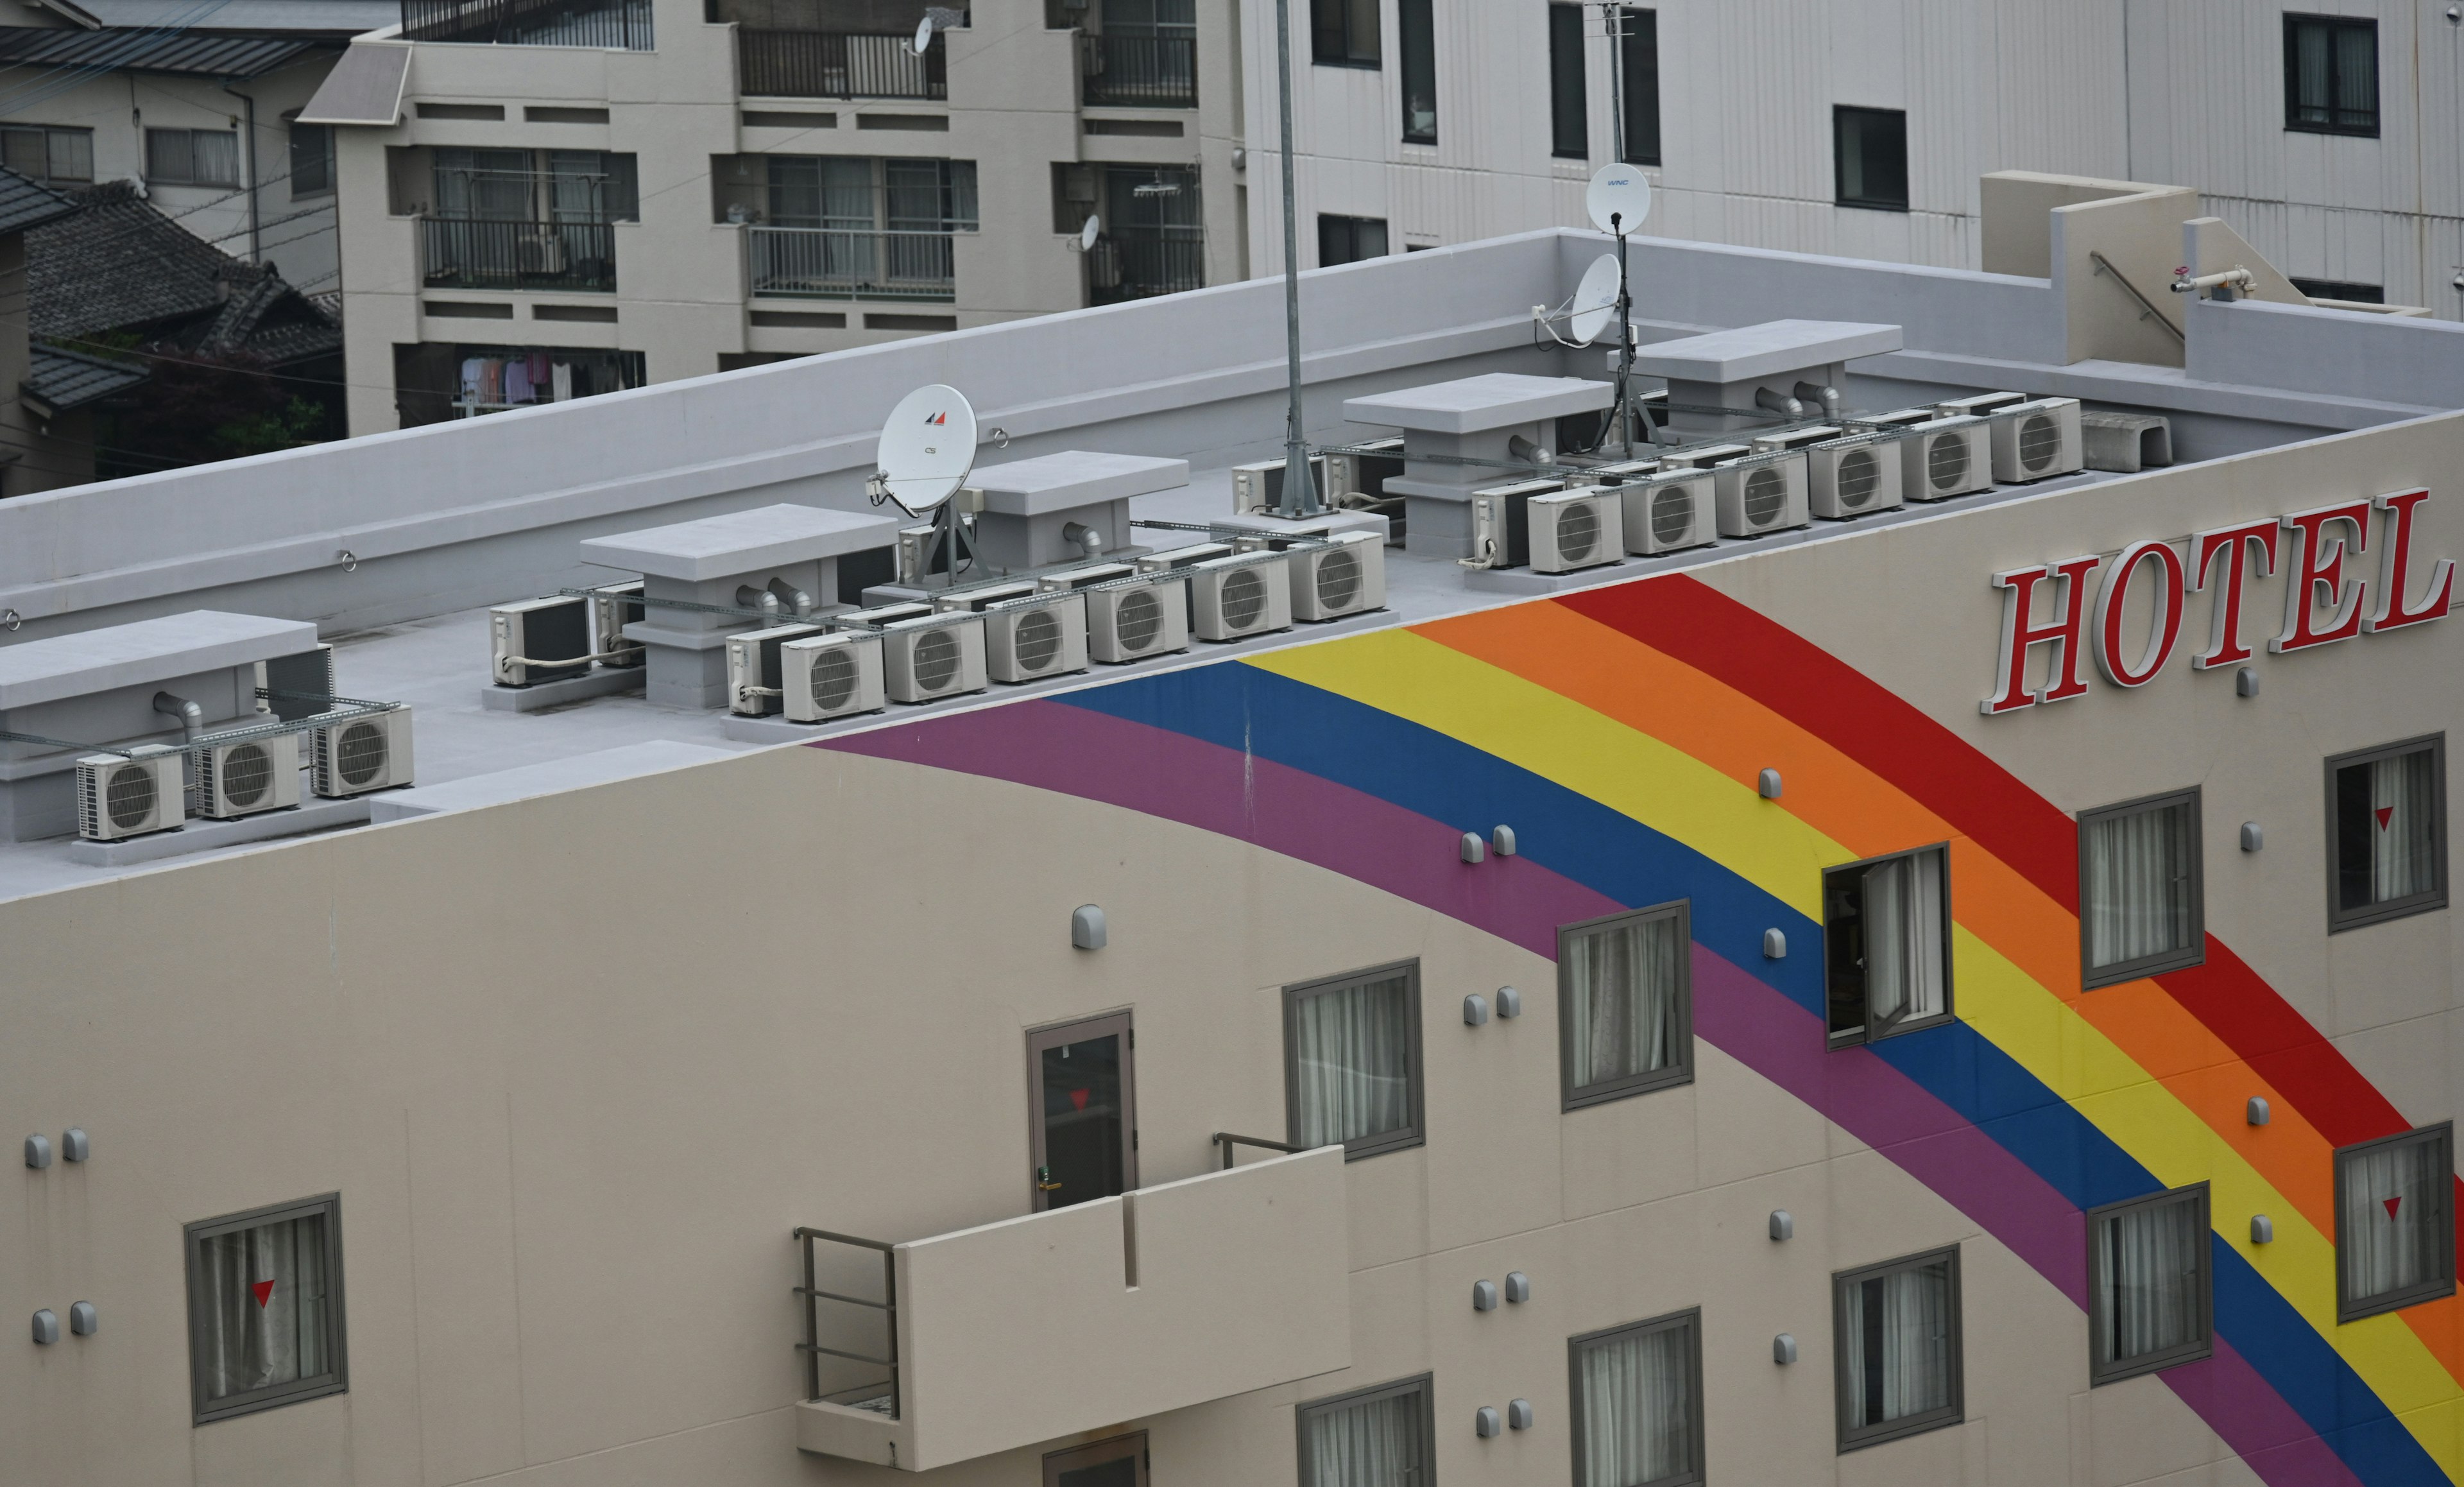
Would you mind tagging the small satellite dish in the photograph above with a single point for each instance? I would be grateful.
(1619, 198)
(1595, 301)
(923, 34)
(1087, 234)
(927, 448)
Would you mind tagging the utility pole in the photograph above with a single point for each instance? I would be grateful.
(1300, 495)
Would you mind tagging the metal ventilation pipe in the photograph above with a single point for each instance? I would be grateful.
(794, 598)
(1531, 453)
(1825, 394)
(1778, 403)
(1088, 541)
(748, 598)
(192, 718)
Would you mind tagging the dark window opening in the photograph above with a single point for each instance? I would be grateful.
(1886, 944)
(1343, 32)
(1568, 109)
(1419, 36)
(1638, 59)
(1349, 239)
(2387, 832)
(2340, 289)
(1870, 157)
(2331, 74)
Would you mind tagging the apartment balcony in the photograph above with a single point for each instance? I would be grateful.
(1137, 71)
(1126, 265)
(827, 263)
(460, 252)
(539, 23)
(829, 65)
(1040, 1327)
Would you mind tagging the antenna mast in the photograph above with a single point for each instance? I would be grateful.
(1300, 489)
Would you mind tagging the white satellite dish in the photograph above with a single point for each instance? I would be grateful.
(1619, 198)
(927, 448)
(923, 34)
(1087, 234)
(1596, 302)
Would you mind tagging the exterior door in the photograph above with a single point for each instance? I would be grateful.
(1081, 1100)
(1110, 1463)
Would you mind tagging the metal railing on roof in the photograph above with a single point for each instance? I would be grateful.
(624, 24)
(837, 64)
(830, 264)
(862, 1396)
(1118, 71)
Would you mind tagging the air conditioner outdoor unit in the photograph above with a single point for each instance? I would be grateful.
(933, 657)
(1239, 596)
(251, 775)
(832, 676)
(618, 606)
(1088, 576)
(755, 682)
(1500, 528)
(539, 630)
(1853, 477)
(1670, 511)
(1943, 458)
(981, 597)
(1574, 529)
(1363, 470)
(1259, 488)
(1788, 440)
(1977, 405)
(1131, 621)
(2034, 441)
(118, 797)
(361, 754)
(540, 251)
(1347, 576)
(1762, 493)
(1035, 636)
(1704, 456)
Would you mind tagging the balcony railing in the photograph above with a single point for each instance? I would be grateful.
(458, 253)
(1125, 266)
(536, 23)
(829, 65)
(1138, 72)
(827, 263)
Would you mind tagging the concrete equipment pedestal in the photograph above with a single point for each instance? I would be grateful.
(1028, 506)
(1470, 418)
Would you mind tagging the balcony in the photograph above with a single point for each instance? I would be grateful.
(1128, 265)
(624, 24)
(829, 65)
(461, 253)
(1117, 71)
(828, 263)
(1040, 1327)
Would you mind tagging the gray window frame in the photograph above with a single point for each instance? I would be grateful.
(293, 139)
(1840, 197)
(2101, 1373)
(1414, 1134)
(146, 143)
(2293, 122)
(1570, 99)
(1350, 52)
(337, 1380)
(1638, 42)
(1691, 1319)
(1416, 43)
(1424, 1385)
(1857, 1438)
(2350, 1309)
(2340, 919)
(2092, 977)
(1132, 1447)
(1577, 1097)
(1950, 1012)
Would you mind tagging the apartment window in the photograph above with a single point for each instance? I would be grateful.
(46, 154)
(192, 157)
(1886, 944)
(2387, 832)
(1353, 1052)
(857, 194)
(2395, 1228)
(1639, 57)
(1349, 239)
(1624, 1004)
(2342, 289)
(2140, 890)
(1869, 151)
(2151, 1305)
(1380, 1437)
(312, 159)
(1343, 32)
(1120, 1462)
(265, 1307)
(1637, 1395)
(1417, 32)
(1896, 1327)
(1569, 110)
(2331, 74)
(535, 186)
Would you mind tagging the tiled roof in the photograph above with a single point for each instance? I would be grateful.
(25, 203)
(63, 379)
(146, 51)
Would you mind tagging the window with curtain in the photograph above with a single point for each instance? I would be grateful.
(1637, 1393)
(45, 154)
(2150, 1302)
(1869, 157)
(1379, 1437)
(485, 184)
(1352, 1060)
(1624, 1004)
(1886, 944)
(1570, 124)
(192, 157)
(265, 1308)
(2387, 832)
(2331, 74)
(2140, 890)
(1416, 33)
(1344, 32)
(1896, 1327)
(1639, 56)
(862, 194)
(2395, 1225)
(312, 159)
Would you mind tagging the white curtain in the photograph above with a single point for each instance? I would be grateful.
(1899, 1344)
(264, 1307)
(1625, 980)
(2150, 1300)
(2390, 1231)
(1904, 939)
(1354, 1061)
(2404, 838)
(2138, 885)
(1376, 1443)
(1637, 1409)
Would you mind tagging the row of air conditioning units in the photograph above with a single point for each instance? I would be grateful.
(1353, 480)
(1025, 629)
(1774, 482)
(148, 790)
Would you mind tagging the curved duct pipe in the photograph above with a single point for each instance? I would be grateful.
(748, 598)
(1529, 453)
(1778, 403)
(797, 600)
(192, 718)
(1826, 396)
(1088, 541)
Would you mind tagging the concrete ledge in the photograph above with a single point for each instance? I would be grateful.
(1523, 581)
(552, 777)
(606, 682)
(314, 815)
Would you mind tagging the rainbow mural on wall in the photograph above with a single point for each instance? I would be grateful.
(1621, 732)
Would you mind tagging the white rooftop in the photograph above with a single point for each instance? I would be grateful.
(1763, 350)
(1073, 478)
(723, 547)
(129, 655)
(1475, 405)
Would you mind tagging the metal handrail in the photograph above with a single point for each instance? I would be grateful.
(2147, 309)
(811, 1347)
(852, 263)
(836, 64)
(1227, 1141)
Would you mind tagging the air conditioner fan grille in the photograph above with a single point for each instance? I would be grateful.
(1672, 516)
(1038, 639)
(936, 660)
(1338, 581)
(359, 754)
(1244, 598)
(1947, 462)
(1578, 530)
(1139, 620)
(1860, 475)
(128, 796)
(1765, 497)
(2040, 441)
(246, 775)
(834, 679)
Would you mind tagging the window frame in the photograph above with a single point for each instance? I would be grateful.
(1560, 69)
(1424, 1385)
(2101, 1373)
(51, 132)
(2347, 1308)
(1950, 1012)
(2340, 918)
(290, 140)
(2091, 976)
(1415, 29)
(1574, 1097)
(1131, 1447)
(1859, 1437)
(239, 167)
(1840, 197)
(335, 1380)
(1691, 1319)
(2294, 21)
(1373, 60)
(1647, 42)
(1350, 228)
(1413, 1134)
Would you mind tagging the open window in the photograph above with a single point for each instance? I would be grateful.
(1886, 944)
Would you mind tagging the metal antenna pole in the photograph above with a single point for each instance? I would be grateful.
(1625, 345)
(1613, 23)
(1300, 490)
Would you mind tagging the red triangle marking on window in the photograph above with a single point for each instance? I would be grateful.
(2391, 1203)
(1078, 1099)
(264, 1290)
(2385, 812)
